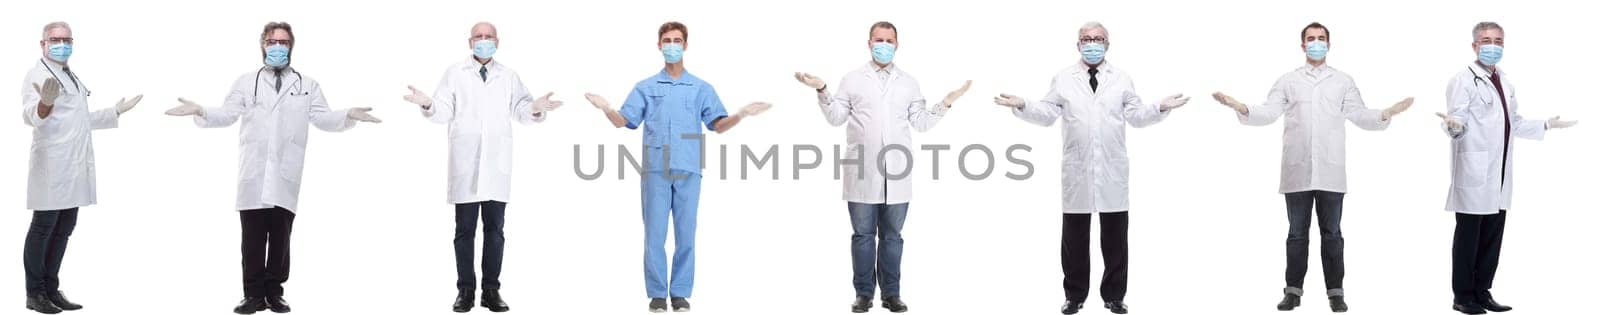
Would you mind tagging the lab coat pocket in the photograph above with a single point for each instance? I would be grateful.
(1117, 172)
(292, 161)
(1470, 169)
(464, 154)
(498, 152)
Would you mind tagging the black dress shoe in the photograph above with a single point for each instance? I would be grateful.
(1468, 308)
(1337, 304)
(492, 301)
(1071, 307)
(658, 305)
(463, 301)
(277, 304)
(1485, 301)
(894, 304)
(1117, 307)
(40, 302)
(1290, 301)
(250, 305)
(862, 304)
(61, 301)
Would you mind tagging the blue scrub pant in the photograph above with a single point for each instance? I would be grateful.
(676, 196)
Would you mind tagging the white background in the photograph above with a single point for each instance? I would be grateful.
(1208, 226)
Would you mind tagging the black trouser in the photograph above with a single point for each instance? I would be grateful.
(1475, 254)
(494, 242)
(45, 246)
(1330, 207)
(1075, 255)
(264, 246)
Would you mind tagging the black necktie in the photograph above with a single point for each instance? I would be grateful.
(1094, 83)
(74, 77)
(278, 87)
(483, 72)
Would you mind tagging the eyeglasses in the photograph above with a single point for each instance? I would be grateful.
(271, 42)
(1092, 40)
(58, 40)
(1491, 41)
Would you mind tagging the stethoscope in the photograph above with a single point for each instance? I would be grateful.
(73, 76)
(1476, 79)
(299, 86)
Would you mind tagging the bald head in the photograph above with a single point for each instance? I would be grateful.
(485, 29)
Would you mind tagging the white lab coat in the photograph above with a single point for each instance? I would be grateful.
(1315, 102)
(1094, 152)
(272, 138)
(61, 160)
(480, 114)
(1479, 151)
(881, 107)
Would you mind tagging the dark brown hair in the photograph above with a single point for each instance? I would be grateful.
(673, 26)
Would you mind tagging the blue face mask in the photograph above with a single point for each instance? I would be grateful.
(277, 56)
(1093, 53)
(484, 49)
(1317, 50)
(882, 52)
(60, 52)
(1489, 54)
(672, 53)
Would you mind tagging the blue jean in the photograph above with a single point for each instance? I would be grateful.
(1329, 209)
(875, 247)
(676, 195)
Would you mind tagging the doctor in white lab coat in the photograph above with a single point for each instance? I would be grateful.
(60, 162)
(276, 105)
(880, 104)
(1315, 101)
(1481, 118)
(478, 98)
(1094, 101)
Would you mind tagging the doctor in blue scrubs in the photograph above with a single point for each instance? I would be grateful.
(672, 106)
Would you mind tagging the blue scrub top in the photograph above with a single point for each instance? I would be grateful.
(669, 109)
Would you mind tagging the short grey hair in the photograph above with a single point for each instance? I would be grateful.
(1484, 26)
(1093, 25)
(53, 25)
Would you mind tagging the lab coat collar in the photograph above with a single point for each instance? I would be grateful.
(1104, 67)
(1482, 72)
(51, 64)
(685, 79)
(1317, 72)
(291, 81)
(472, 65)
(873, 70)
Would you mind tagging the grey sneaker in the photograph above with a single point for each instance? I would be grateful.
(658, 305)
(680, 305)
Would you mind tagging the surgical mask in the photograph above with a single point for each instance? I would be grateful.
(882, 52)
(1489, 54)
(483, 49)
(1317, 50)
(60, 52)
(277, 56)
(672, 53)
(1093, 53)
